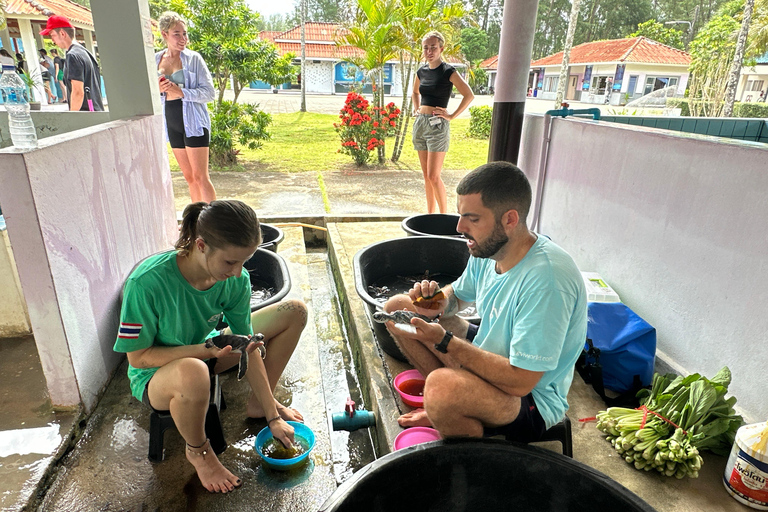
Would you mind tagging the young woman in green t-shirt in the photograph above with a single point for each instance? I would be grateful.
(173, 301)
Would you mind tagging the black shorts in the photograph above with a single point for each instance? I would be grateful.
(145, 395)
(174, 122)
(528, 427)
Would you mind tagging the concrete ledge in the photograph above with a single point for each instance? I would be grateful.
(344, 240)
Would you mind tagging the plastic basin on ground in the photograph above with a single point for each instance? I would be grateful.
(408, 398)
(300, 431)
(407, 256)
(415, 435)
(440, 224)
(268, 269)
(271, 236)
(480, 474)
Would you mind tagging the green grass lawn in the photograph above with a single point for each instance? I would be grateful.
(308, 142)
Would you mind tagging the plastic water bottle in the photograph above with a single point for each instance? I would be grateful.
(14, 93)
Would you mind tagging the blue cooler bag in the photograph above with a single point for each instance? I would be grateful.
(620, 350)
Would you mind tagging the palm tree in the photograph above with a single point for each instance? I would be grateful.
(738, 59)
(377, 32)
(567, 52)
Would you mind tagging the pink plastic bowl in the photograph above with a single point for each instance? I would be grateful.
(415, 435)
(412, 400)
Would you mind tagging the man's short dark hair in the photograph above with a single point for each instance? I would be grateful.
(43, 51)
(67, 30)
(502, 187)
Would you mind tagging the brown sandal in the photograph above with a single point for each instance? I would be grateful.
(200, 451)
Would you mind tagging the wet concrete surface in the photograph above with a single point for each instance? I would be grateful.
(109, 470)
(32, 434)
(377, 192)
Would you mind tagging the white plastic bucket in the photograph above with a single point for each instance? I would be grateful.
(746, 473)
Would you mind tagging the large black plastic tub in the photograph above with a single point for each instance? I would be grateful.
(268, 269)
(480, 475)
(271, 236)
(406, 256)
(440, 224)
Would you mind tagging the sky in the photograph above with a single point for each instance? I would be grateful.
(268, 7)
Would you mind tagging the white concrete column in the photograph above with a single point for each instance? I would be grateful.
(5, 37)
(88, 38)
(126, 46)
(38, 38)
(32, 58)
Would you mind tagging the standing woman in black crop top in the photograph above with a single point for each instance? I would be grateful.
(431, 130)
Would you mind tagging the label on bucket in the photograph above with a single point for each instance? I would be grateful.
(746, 477)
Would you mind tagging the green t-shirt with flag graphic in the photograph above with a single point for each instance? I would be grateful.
(160, 308)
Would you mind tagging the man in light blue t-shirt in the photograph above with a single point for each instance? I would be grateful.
(511, 375)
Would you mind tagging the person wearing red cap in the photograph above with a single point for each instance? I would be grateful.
(81, 71)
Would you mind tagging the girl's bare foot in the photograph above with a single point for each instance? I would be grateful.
(213, 476)
(417, 418)
(254, 410)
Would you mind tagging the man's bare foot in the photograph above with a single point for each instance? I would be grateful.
(417, 418)
(254, 410)
(213, 476)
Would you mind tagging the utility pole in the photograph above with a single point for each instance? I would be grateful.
(303, 57)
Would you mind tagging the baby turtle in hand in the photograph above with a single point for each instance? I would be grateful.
(402, 319)
(239, 343)
(432, 302)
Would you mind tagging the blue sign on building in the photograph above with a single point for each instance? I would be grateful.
(348, 72)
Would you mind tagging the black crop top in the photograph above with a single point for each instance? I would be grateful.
(435, 85)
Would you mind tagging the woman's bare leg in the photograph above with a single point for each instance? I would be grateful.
(282, 325)
(428, 190)
(186, 169)
(183, 388)
(434, 169)
(198, 160)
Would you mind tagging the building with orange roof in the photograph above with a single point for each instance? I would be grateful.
(614, 71)
(753, 82)
(328, 69)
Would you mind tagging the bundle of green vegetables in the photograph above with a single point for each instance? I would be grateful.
(678, 418)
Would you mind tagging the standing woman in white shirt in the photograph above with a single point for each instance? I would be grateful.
(187, 87)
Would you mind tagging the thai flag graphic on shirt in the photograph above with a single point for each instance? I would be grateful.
(129, 331)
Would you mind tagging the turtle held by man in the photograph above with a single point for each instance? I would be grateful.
(401, 319)
(239, 344)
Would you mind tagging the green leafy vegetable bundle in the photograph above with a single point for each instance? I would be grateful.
(678, 417)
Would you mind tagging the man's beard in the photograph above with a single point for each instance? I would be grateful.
(490, 246)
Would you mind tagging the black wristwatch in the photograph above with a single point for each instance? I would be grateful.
(443, 345)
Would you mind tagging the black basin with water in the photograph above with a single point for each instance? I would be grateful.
(480, 475)
(271, 236)
(383, 263)
(441, 224)
(269, 277)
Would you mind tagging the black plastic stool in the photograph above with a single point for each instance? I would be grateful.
(160, 421)
(560, 432)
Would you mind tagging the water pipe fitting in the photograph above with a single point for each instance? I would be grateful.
(352, 419)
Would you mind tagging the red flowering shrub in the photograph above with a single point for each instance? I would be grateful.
(363, 127)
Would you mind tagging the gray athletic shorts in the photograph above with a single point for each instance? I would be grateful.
(433, 138)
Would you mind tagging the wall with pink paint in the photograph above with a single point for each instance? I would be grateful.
(81, 211)
(675, 223)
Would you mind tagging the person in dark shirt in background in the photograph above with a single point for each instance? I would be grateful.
(81, 71)
(431, 131)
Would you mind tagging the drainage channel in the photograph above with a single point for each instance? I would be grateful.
(350, 450)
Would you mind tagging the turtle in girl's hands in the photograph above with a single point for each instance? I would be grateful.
(239, 343)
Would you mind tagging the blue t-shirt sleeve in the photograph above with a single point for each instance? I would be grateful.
(465, 287)
(541, 324)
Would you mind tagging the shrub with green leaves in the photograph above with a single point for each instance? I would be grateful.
(681, 103)
(759, 110)
(233, 123)
(480, 121)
